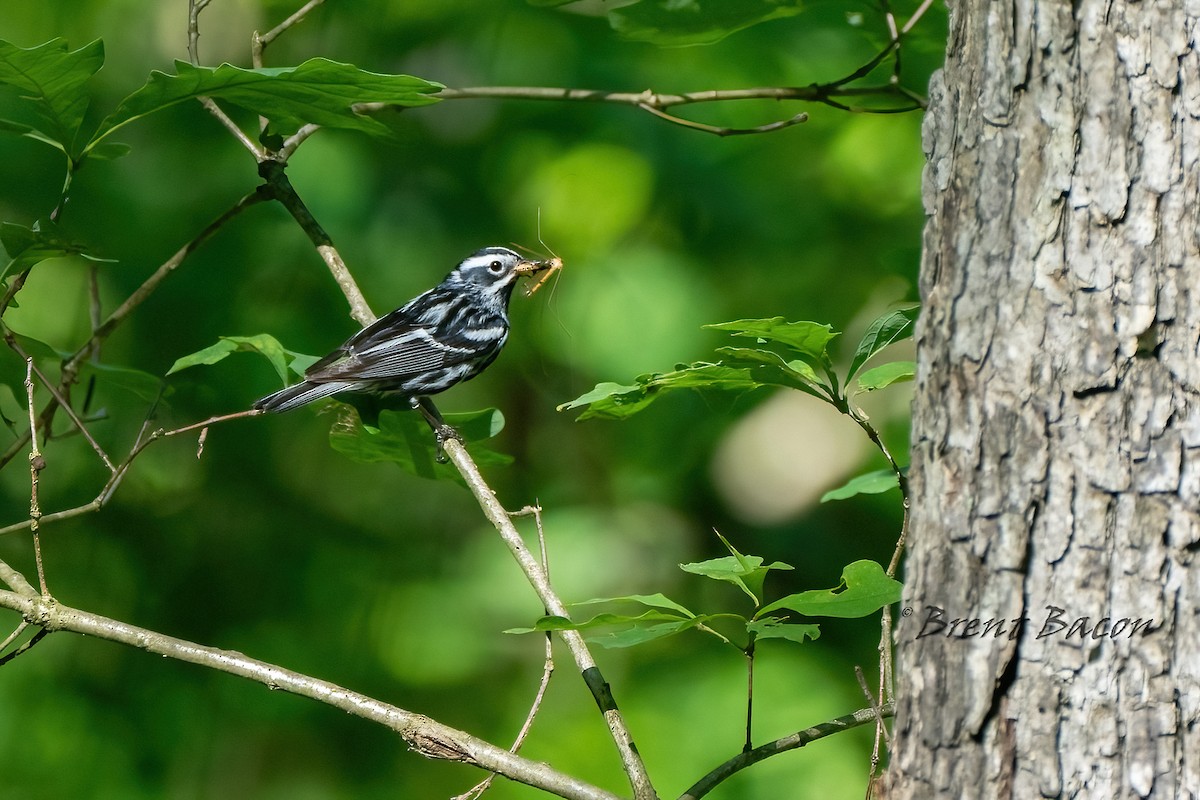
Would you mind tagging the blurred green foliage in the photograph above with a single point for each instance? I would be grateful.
(277, 545)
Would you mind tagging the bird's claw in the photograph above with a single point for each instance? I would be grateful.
(445, 433)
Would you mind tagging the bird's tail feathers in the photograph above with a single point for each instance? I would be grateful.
(301, 394)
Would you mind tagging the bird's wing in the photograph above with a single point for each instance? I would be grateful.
(405, 342)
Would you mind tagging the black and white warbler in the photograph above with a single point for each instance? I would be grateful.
(445, 336)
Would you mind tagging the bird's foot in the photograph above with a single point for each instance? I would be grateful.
(445, 433)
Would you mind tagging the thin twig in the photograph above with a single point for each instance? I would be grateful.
(795, 740)
(194, 9)
(265, 39)
(723, 131)
(243, 138)
(193, 28)
(59, 399)
(12, 637)
(151, 283)
(631, 760)
(880, 727)
(25, 648)
(547, 665)
(279, 188)
(749, 743)
(140, 443)
(36, 464)
(424, 735)
(259, 42)
(70, 368)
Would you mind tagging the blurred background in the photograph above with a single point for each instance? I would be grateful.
(275, 545)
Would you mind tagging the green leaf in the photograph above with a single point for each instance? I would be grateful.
(28, 131)
(27, 247)
(810, 340)
(892, 327)
(143, 385)
(281, 358)
(864, 589)
(746, 572)
(689, 22)
(885, 375)
(404, 438)
(875, 482)
(318, 91)
(53, 81)
(769, 369)
(635, 630)
(617, 401)
(640, 634)
(556, 623)
(656, 600)
(773, 628)
(611, 401)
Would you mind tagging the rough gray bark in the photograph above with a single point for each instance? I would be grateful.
(1056, 449)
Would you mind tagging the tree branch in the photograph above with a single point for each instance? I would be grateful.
(792, 742)
(424, 735)
(279, 188)
(631, 760)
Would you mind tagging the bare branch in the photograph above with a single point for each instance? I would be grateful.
(720, 131)
(795, 740)
(424, 735)
(16, 581)
(631, 760)
(547, 666)
(147, 288)
(260, 42)
(25, 648)
(11, 341)
(278, 187)
(36, 464)
(193, 28)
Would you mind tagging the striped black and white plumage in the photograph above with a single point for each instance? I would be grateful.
(445, 336)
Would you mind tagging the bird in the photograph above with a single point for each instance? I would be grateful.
(440, 338)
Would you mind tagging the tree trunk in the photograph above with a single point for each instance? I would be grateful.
(1056, 471)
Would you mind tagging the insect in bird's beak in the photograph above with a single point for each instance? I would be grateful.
(549, 266)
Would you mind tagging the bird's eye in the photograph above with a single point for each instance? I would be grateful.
(495, 267)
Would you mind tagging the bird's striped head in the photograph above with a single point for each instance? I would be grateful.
(493, 271)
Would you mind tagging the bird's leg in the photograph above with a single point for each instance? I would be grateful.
(441, 430)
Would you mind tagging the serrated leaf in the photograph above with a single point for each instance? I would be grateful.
(617, 401)
(318, 91)
(656, 600)
(268, 346)
(52, 79)
(692, 22)
(403, 438)
(885, 375)
(864, 589)
(772, 628)
(892, 327)
(769, 369)
(810, 340)
(876, 482)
